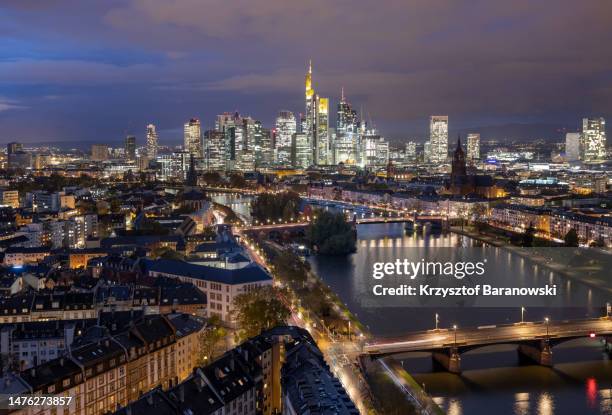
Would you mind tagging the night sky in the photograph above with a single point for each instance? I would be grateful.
(88, 70)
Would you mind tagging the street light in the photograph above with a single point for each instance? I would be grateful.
(455, 329)
(522, 315)
(437, 321)
(546, 319)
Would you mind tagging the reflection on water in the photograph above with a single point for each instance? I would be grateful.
(494, 381)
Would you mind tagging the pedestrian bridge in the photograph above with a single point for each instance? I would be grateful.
(534, 340)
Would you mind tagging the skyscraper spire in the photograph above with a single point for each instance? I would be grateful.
(310, 66)
(342, 95)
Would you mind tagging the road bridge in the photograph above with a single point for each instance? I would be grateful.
(535, 341)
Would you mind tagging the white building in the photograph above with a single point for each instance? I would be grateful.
(593, 139)
(438, 138)
(220, 285)
(473, 146)
(286, 126)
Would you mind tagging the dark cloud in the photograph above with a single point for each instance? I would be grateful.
(475, 60)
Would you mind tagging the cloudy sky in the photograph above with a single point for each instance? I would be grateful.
(89, 70)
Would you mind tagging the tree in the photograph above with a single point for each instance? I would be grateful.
(166, 253)
(237, 181)
(290, 268)
(259, 310)
(209, 340)
(268, 206)
(528, 236)
(332, 234)
(571, 238)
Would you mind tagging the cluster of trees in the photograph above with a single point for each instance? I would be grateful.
(285, 206)
(210, 340)
(259, 310)
(331, 234)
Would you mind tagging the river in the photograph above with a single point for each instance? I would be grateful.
(493, 380)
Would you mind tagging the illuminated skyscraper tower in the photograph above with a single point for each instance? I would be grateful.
(473, 146)
(316, 121)
(285, 128)
(593, 140)
(151, 141)
(438, 138)
(193, 137)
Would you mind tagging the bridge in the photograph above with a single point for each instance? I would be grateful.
(535, 341)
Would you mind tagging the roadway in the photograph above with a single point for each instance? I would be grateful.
(489, 335)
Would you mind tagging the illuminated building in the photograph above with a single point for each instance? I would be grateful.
(286, 127)
(316, 122)
(438, 138)
(130, 147)
(263, 148)
(593, 140)
(375, 150)
(347, 120)
(174, 166)
(572, 146)
(240, 135)
(193, 137)
(301, 153)
(473, 146)
(214, 150)
(99, 152)
(411, 153)
(311, 105)
(151, 141)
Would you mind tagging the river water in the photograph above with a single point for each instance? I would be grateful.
(493, 380)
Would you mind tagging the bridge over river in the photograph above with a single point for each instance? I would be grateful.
(535, 340)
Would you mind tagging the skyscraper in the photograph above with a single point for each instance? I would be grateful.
(130, 147)
(240, 135)
(316, 121)
(193, 137)
(151, 141)
(473, 146)
(214, 150)
(438, 138)
(285, 128)
(593, 139)
(13, 147)
(411, 153)
(322, 130)
(347, 120)
(572, 146)
(301, 153)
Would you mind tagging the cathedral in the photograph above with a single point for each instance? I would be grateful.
(463, 184)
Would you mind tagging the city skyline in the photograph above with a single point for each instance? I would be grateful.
(113, 80)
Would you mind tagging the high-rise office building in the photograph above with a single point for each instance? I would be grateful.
(151, 141)
(347, 120)
(438, 138)
(322, 133)
(99, 152)
(316, 121)
(13, 147)
(593, 139)
(572, 146)
(301, 153)
(193, 137)
(473, 146)
(240, 135)
(214, 151)
(411, 153)
(263, 148)
(309, 117)
(130, 147)
(285, 127)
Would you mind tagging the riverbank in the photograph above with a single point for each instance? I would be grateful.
(588, 272)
